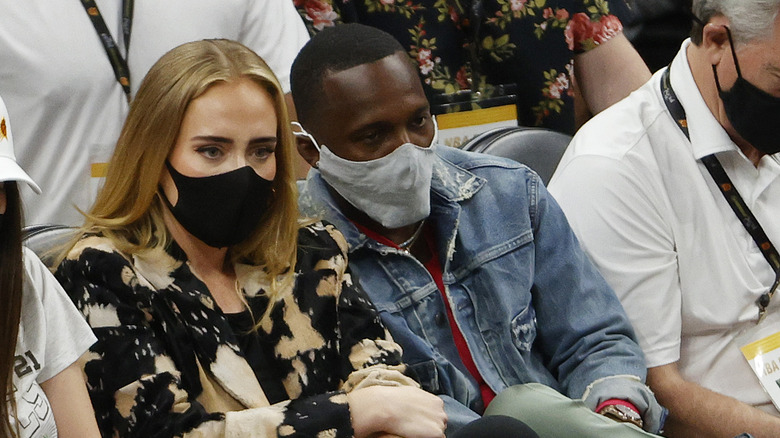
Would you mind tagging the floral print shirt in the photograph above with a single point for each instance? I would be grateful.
(167, 364)
(529, 43)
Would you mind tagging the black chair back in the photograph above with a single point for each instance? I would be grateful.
(538, 148)
(43, 240)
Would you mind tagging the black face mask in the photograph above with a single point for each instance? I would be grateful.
(221, 210)
(753, 112)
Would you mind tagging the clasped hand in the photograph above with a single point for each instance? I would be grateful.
(396, 411)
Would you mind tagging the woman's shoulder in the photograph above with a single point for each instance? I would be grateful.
(323, 236)
(93, 258)
(321, 246)
(101, 257)
(92, 243)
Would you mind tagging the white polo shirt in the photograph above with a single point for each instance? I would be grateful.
(65, 105)
(654, 222)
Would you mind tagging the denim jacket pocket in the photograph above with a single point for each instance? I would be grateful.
(523, 328)
(427, 374)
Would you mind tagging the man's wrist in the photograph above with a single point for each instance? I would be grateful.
(621, 411)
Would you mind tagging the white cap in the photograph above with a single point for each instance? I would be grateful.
(9, 170)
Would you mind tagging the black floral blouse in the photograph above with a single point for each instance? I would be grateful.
(529, 43)
(167, 363)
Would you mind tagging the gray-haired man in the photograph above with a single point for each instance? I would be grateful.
(650, 189)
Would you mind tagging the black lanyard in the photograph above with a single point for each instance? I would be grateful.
(731, 194)
(118, 62)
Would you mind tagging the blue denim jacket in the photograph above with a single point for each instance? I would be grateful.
(530, 304)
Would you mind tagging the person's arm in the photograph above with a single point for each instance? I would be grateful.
(73, 414)
(621, 219)
(698, 412)
(609, 72)
(61, 329)
(582, 327)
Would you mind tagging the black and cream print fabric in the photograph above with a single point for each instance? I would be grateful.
(167, 362)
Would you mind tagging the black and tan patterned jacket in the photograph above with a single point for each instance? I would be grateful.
(167, 363)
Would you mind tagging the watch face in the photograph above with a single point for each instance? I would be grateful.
(622, 414)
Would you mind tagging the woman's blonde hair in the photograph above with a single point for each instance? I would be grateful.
(129, 207)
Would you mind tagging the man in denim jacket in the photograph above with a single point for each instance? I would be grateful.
(523, 304)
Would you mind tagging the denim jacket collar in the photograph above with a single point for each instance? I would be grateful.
(450, 185)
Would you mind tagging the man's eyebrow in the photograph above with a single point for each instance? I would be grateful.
(378, 125)
(423, 109)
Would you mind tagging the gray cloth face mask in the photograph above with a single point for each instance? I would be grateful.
(394, 190)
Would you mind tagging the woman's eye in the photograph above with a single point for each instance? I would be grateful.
(262, 153)
(210, 152)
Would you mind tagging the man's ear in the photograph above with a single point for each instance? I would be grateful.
(715, 39)
(307, 150)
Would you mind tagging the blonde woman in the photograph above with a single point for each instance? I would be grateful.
(217, 313)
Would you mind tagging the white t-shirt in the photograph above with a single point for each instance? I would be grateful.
(52, 336)
(655, 223)
(66, 107)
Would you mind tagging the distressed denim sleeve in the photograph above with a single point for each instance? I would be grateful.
(458, 415)
(582, 327)
(628, 388)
